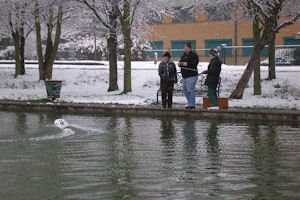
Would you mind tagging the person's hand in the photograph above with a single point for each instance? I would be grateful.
(184, 64)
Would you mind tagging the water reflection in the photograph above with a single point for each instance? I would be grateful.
(21, 126)
(214, 161)
(28, 171)
(190, 139)
(191, 161)
(213, 147)
(265, 162)
(142, 158)
(121, 157)
(168, 135)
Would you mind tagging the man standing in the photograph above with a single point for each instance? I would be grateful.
(188, 64)
(212, 79)
(168, 76)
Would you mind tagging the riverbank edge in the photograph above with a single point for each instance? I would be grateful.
(154, 111)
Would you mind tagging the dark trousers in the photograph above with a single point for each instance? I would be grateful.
(166, 93)
(212, 95)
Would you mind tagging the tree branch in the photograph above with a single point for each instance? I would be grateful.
(134, 11)
(284, 24)
(95, 12)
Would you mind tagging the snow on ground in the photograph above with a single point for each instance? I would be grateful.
(89, 83)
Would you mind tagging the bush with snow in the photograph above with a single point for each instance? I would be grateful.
(8, 53)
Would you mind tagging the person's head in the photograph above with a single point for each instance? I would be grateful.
(188, 47)
(212, 53)
(167, 56)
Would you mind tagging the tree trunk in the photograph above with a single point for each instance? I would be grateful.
(48, 52)
(50, 62)
(126, 29)
(49, 43)
(127, 66)
(113, 66)
(272, 69)
(239, 90)
(49, 65)
(39, 43)
(112, 43)
(46, 66)
(256, 37)
(16, 38)
(22, 51)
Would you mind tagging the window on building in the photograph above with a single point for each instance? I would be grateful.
(220, 12)
(184, 15)
(248, 51)
(291, 41)
(214, 43)
(154, 18)
(178, 47)
(156, 45)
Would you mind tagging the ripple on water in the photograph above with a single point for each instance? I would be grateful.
(137, 158)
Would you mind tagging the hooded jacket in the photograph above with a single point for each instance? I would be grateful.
(213, 72)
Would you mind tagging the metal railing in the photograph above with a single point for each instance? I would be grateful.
(236, 55)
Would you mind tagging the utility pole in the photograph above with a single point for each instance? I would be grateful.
(95, 42)
(235, 32)
(95, 38)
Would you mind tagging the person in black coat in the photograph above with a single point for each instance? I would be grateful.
(168, 77)
(213, 76)
(188, 64)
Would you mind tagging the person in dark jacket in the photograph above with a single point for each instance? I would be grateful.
(212, 79)
(168, 77)
(188, 64)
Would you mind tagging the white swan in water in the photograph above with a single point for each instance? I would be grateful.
(61, 123)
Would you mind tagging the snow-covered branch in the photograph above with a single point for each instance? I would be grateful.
(286, 23)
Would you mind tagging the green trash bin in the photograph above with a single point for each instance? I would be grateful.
(53, 88)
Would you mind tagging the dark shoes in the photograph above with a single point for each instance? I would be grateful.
(190, 107)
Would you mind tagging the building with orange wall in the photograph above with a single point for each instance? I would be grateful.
(234, 30)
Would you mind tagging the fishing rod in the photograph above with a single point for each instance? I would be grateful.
(194, 70)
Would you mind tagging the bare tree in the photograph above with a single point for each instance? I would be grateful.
(16, 23)
(268, 13)
(106, 13)
(48, 14)
(133, 16)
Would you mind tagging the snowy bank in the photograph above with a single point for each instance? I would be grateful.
(88, 84)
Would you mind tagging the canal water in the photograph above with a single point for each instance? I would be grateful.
(101, 157)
